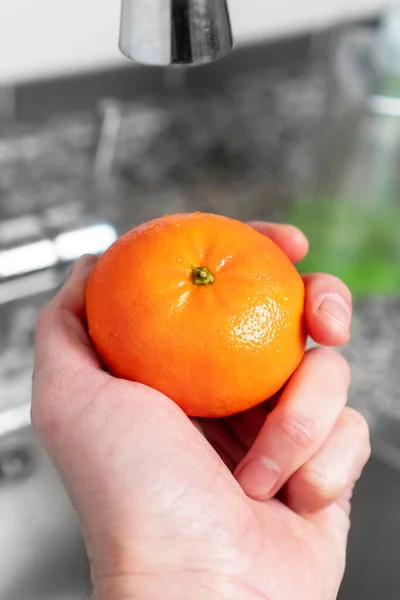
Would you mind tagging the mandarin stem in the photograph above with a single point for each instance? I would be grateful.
(202, 276)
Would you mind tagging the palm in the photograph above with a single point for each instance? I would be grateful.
(237, 545)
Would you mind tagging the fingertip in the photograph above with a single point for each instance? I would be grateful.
(298, 237)
(81, 268)
(325, 331)
(288, 237)
(328, 309)
(299, 241)
(72, 294)
(258, 477)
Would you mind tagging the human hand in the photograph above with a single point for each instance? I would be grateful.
(162, 513)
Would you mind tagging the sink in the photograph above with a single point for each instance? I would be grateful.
(43, 555)
(41, 547)
(373, 564)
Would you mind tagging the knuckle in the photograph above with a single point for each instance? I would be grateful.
(299, 429)
(321, 485)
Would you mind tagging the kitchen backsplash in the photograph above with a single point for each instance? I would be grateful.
(43, 38)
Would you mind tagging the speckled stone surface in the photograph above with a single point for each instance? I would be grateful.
(240, 153)
(374, 354)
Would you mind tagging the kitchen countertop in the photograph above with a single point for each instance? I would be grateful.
(241, 151)
(238, 153)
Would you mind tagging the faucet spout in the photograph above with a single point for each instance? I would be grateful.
(175, 32)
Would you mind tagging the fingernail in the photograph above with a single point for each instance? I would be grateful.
(336, 308)
(258, 477)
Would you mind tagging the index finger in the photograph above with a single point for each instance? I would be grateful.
(305, 415)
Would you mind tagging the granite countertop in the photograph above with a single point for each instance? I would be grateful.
(238, 153)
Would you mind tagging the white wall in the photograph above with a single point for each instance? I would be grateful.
(39, 38)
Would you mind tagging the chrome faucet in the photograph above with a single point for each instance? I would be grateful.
(175, 32)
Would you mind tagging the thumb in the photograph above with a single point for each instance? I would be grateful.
(117, 445)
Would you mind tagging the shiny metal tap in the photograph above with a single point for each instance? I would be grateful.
(173, 32)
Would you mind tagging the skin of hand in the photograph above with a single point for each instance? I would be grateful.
(254, 507)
